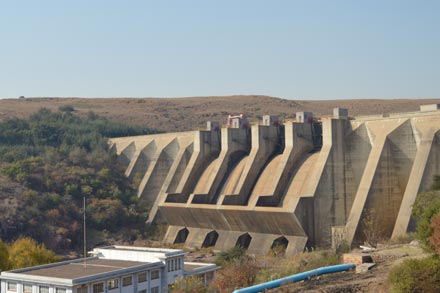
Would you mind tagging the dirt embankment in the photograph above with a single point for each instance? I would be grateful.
(181, 114)
(375, 280)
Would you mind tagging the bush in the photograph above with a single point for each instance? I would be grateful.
(66, 108)
(434, 240)
(231, 255)
(276, 267)
(188, 285)
(416, 275)
(236, 275)
(426, 207)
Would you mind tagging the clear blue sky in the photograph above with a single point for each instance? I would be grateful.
(290, 49)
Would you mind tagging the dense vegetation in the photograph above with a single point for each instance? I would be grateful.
(48, 163)
(422, 275)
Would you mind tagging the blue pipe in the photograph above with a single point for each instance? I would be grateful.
(296, 278)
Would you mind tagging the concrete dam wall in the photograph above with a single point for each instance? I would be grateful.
(309, 183)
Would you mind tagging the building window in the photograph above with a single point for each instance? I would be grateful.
(143, 291)
(82, 289)
(98, 288)
(12, 286)
(174, 265)
(113, 284)
(60, 290)
(155, 289)
(154, 274)
(126, 281)
(43, 289)
(142, 277)
(27, 288)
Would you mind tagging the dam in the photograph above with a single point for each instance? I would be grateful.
(311, 182)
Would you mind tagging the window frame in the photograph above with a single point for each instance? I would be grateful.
(155, 277)
(146, 277)
(8, 288)
(41, 289)
(82, 289)
(125, 278)
(27, 285)
(113, 284)
(98, 284)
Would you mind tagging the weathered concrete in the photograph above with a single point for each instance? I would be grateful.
(275, 184)
(235, 145)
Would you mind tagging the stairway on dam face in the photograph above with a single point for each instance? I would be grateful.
(241, 185)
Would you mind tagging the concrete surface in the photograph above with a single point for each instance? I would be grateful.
(275, 182)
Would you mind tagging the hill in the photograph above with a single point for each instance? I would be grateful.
(49, 163)
(180, 114)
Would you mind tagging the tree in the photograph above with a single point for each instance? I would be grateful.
(49, 162)
(25, 252)
(4, 256)
(372, 227)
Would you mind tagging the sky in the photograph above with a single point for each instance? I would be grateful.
(289, 49)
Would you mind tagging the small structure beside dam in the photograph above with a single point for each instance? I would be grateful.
(305, 183)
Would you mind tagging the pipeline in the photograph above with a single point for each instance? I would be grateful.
(296, 278)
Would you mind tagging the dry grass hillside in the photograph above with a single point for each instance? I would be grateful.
(180, 114)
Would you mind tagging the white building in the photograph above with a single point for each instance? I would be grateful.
(112, 269)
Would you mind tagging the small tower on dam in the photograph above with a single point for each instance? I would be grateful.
(304, 183)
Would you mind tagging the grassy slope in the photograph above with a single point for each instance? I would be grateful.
(180, 114)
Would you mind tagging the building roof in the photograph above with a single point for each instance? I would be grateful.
(193, 268)
(75, 270)
(165, 252)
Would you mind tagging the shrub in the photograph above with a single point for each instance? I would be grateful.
(236, 275)
(434, 240)
(416, 275)
(188, 285)
(233, 254)
(66, 108)
(426, 207)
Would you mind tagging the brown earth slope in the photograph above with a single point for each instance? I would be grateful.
(180, 114)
